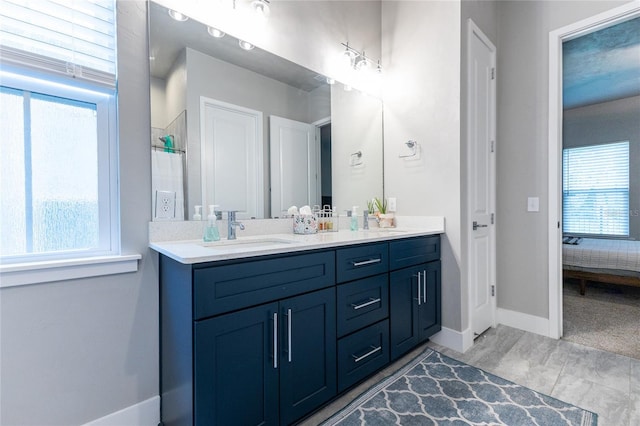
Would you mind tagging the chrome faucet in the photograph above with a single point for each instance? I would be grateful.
(365, 219)
(232, 224)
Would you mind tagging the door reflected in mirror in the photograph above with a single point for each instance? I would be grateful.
(250, 131)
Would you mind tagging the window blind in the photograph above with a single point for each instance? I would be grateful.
(69, 37)
(595, 189)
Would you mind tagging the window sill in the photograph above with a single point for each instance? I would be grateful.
(61, 270)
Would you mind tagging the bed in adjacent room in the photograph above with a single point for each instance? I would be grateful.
(601, 260)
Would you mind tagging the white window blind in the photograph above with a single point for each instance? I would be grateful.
(595, 189)
(69, 37)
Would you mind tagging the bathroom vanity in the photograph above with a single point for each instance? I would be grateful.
(268, 329)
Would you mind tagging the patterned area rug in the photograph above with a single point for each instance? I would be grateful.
(433, 389)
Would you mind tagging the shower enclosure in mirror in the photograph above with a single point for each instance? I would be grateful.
(250, 131)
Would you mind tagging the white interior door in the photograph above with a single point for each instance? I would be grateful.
(232, 171)
(481, 183)
(294, 164)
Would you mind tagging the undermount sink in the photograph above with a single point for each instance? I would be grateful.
(246, 244)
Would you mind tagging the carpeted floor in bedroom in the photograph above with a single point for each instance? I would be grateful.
(607, 317)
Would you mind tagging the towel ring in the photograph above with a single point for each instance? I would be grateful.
(413, 146)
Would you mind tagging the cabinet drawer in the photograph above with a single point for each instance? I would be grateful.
(362, 261)
(413, 251)
(362, 302)
(362, 353)
(226, 288)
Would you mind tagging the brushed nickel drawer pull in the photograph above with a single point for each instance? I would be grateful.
(365, 304)
(366, 262)
(289, 333)
(275, 340)
(419, 290)
(368, 354)
(424, 283)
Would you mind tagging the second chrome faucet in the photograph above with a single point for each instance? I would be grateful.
(232, 224)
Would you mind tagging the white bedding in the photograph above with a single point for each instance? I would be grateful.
(600, 253)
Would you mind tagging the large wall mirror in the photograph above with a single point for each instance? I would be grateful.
(250, 131)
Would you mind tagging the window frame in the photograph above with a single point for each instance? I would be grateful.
(628, 193)
(105, 99)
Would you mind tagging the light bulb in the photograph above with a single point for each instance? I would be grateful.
(331, 80)
(348, 56)
(245, 45)
(214, 32)
(363, 64)
(177, 15)
(261, 8)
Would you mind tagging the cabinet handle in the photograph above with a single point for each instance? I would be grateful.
(373, 350)
(424, 283)
(419, 290)
(275, 340)
(289, 333)
(366, 262)
(362, 305)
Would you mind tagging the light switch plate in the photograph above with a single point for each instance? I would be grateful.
(165, 204)
(392, 204)
(533, 204)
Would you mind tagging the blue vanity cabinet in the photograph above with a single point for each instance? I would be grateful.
(414, 292)
(261, 350)
(267, 365)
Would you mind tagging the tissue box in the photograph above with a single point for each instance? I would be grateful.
(305, 224)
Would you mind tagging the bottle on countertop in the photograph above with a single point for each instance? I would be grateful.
(354, 218)
(211, 232)
(197, 215)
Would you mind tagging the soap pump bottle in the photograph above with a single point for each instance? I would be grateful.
(197, 215)
(211, 232)
(354, 218)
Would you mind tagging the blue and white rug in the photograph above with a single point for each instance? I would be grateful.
(436, 390)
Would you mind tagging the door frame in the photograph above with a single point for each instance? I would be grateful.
(556, 38)
(474, 31)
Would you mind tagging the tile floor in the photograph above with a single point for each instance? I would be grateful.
(605, 383)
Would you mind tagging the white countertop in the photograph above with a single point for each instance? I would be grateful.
(197, 251)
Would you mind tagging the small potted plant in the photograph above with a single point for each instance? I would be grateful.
(385, 220)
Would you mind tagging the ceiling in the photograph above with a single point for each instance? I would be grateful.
(602, 66)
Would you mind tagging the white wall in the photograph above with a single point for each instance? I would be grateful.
(77, 350)
(522, 157)
(614, 121)
(421, 56)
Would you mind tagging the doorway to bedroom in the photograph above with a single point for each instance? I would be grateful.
(600, 164)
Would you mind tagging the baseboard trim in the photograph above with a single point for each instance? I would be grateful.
(522, 321)
(145, 413)
(459, 341)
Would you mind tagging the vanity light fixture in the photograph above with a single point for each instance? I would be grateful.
(245, 45)
(358, 61)
(261, 8)
(177, 15)
(214, 32)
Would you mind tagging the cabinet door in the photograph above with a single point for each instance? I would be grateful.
(403, 310)
(236, 382)
(429, 316)
(308, 361)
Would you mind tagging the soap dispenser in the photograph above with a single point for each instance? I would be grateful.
(197, 215)
(354, 218)
(211, 232)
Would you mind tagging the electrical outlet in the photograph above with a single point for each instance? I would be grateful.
(533, 204)
(165, 205)
(391, 207)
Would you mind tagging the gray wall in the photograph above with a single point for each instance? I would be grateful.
(522, 157)
(614, 121)
(77, 350)
(421, 58)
